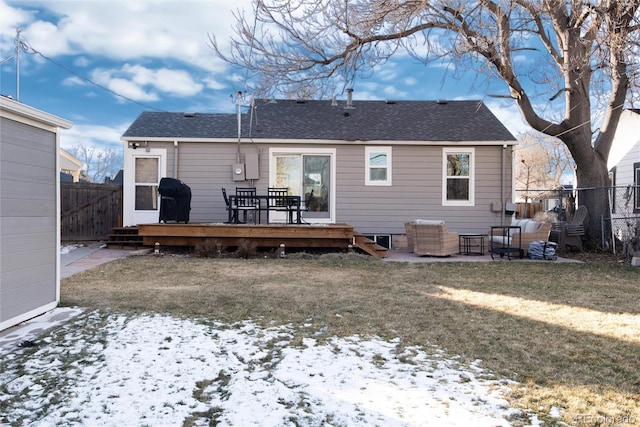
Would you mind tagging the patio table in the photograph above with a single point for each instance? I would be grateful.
(507, 245)
(469, 241)
(292, 204)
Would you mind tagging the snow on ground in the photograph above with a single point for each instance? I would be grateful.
(155, 370)
(65, 249)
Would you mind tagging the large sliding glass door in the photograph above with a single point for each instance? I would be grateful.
(310, 175)
(316, 174)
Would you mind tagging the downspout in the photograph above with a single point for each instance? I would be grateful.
(175, 159)
(239, 114)
(502, 185)
(58, 214)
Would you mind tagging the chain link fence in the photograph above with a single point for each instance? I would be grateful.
(620, 228)
(624, 221)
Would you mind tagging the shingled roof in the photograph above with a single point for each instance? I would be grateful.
(321, 120)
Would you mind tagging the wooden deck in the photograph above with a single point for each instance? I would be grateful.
(271, 236)
(336, 236)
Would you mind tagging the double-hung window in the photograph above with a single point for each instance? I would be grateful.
(378, 165)
(458, 181)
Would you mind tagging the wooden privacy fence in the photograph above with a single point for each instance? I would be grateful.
(89, 211)
(529, 210)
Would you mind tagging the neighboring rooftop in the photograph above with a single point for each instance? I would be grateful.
(323, 120)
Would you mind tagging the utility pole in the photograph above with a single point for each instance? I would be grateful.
(18, 44)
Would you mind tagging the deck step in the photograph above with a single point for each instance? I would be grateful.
(124, 238)
(369, 246)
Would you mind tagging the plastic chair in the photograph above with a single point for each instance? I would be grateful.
(570, 233)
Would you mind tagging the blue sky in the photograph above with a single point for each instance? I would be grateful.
(156, 54)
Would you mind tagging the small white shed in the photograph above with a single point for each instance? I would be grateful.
(29, 212)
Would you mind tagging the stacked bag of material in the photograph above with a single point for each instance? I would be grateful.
(539, 249)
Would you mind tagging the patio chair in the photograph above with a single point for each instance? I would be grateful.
(278, 201)
(570, 233)
(431, 238)
(410, 233)
(232, 213)
(246, 201)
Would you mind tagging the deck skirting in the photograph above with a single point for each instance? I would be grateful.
(272, 235)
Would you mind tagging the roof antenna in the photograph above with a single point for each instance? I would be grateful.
(251, 116)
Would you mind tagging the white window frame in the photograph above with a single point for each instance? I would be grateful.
(130, 216)
(368, 166)
(472, 166)
(276, 151)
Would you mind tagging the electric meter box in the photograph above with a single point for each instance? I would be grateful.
(252, 170)
(237, 171)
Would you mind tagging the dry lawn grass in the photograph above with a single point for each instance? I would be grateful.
(568, 333)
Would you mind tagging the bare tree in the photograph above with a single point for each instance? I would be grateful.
(532, 173)
(100, 163)
(582, 54)
(541, 163)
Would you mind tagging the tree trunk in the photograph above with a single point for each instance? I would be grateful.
(592, 185)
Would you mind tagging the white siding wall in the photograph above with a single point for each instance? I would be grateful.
(625, 152)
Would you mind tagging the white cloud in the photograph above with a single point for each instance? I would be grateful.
(123, 30)
(144, 84)
(92, 135)
(392, 92)
(410, 81)
(82, 62)
(131, 90)
(212, 83)
(74, 81)
(176, 82)
(509, 115)
(388, 71)
(364, 90)
(12, 19)
(44, 37)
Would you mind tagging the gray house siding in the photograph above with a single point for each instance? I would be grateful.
(416, 190)
(29, 243)
(206, 168)
(28, 213)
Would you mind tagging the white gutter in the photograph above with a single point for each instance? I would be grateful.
(325, 141)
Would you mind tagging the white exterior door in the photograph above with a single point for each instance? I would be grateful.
(142, 173)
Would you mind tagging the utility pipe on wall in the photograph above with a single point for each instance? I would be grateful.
(175, 159)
